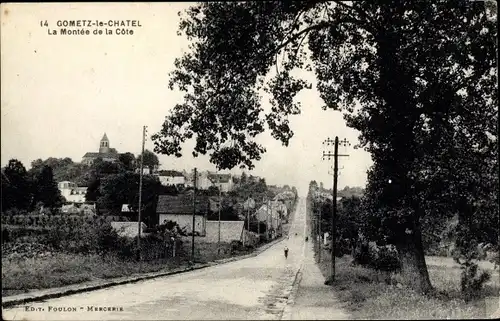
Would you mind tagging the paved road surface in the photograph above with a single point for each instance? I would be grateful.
(253, 288)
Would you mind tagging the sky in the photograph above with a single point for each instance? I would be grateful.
(61, 93)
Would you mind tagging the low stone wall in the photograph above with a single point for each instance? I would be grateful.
(229, 231)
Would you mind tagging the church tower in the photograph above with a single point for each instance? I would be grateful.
(104, 145)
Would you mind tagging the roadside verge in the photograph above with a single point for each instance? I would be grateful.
(41, 295)
(287, 311)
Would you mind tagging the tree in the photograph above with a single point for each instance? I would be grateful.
(313, 186)
(243, 178)
(16, 187)
(99, 170)
(128, 161)
(93, 193)
(348, 220)
(54, 163)
(150, 160)
(45, 188)
(389, 78)
(255, 188)
(123, 188)
(64, 169)
(213, 191)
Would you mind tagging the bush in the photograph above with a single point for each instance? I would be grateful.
(362, 255)
(342, 247)
(75, 236)
(152, 247)
(236, 246)
(386, 259)
(107, 239)
(472, 280)
(381, 258)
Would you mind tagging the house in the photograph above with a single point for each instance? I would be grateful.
(105, 153)
(287, 197)
(269, 213)
(207, 179)
(222, 181)
(179, 209)
(202, 181)
(71, 192)
(171, 177)
(148, 171)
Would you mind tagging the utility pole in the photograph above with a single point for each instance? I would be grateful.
(272, 218)
(220, 205)
(194, 213)
(248, 223)
(258, 219)
(267, 220)
(219, 187)
(328, 142)
(319, 233)
(139, 254)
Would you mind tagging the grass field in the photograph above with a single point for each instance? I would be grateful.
(20, 275)
(25, 273)
(368, 294)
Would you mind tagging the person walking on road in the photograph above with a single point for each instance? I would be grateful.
(286, 252)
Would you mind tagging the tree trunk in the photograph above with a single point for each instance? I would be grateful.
(413, 266)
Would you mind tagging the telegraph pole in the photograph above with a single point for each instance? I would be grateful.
(272, 218)
(329, 142)
(248, 224)
(267, 220)
(320, 234)
(220, 205)
(219, 187)
(140, 194)
(258, 219)
(194, 213)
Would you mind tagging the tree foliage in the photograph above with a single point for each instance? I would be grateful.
(16, 187)
(123, 188)
(251, 186)
(64, 169)
(45, 188)
(416, 79)
(22, 190)
(128, 161)
(150, 160)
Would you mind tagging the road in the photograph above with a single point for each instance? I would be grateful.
(252, 288)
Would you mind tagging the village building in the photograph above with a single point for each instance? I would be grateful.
(179, 209)
(106, 153)
(208, 179)
(71, 192)
(172, 178)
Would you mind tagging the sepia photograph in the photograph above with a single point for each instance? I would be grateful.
(250, 160)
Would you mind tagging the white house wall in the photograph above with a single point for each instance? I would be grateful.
(76, 198)
(229, 231)
(170, 180)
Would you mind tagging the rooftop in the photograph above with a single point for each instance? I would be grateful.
(171, 173)
(219, 178)
(181, 204)
(102, 155)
